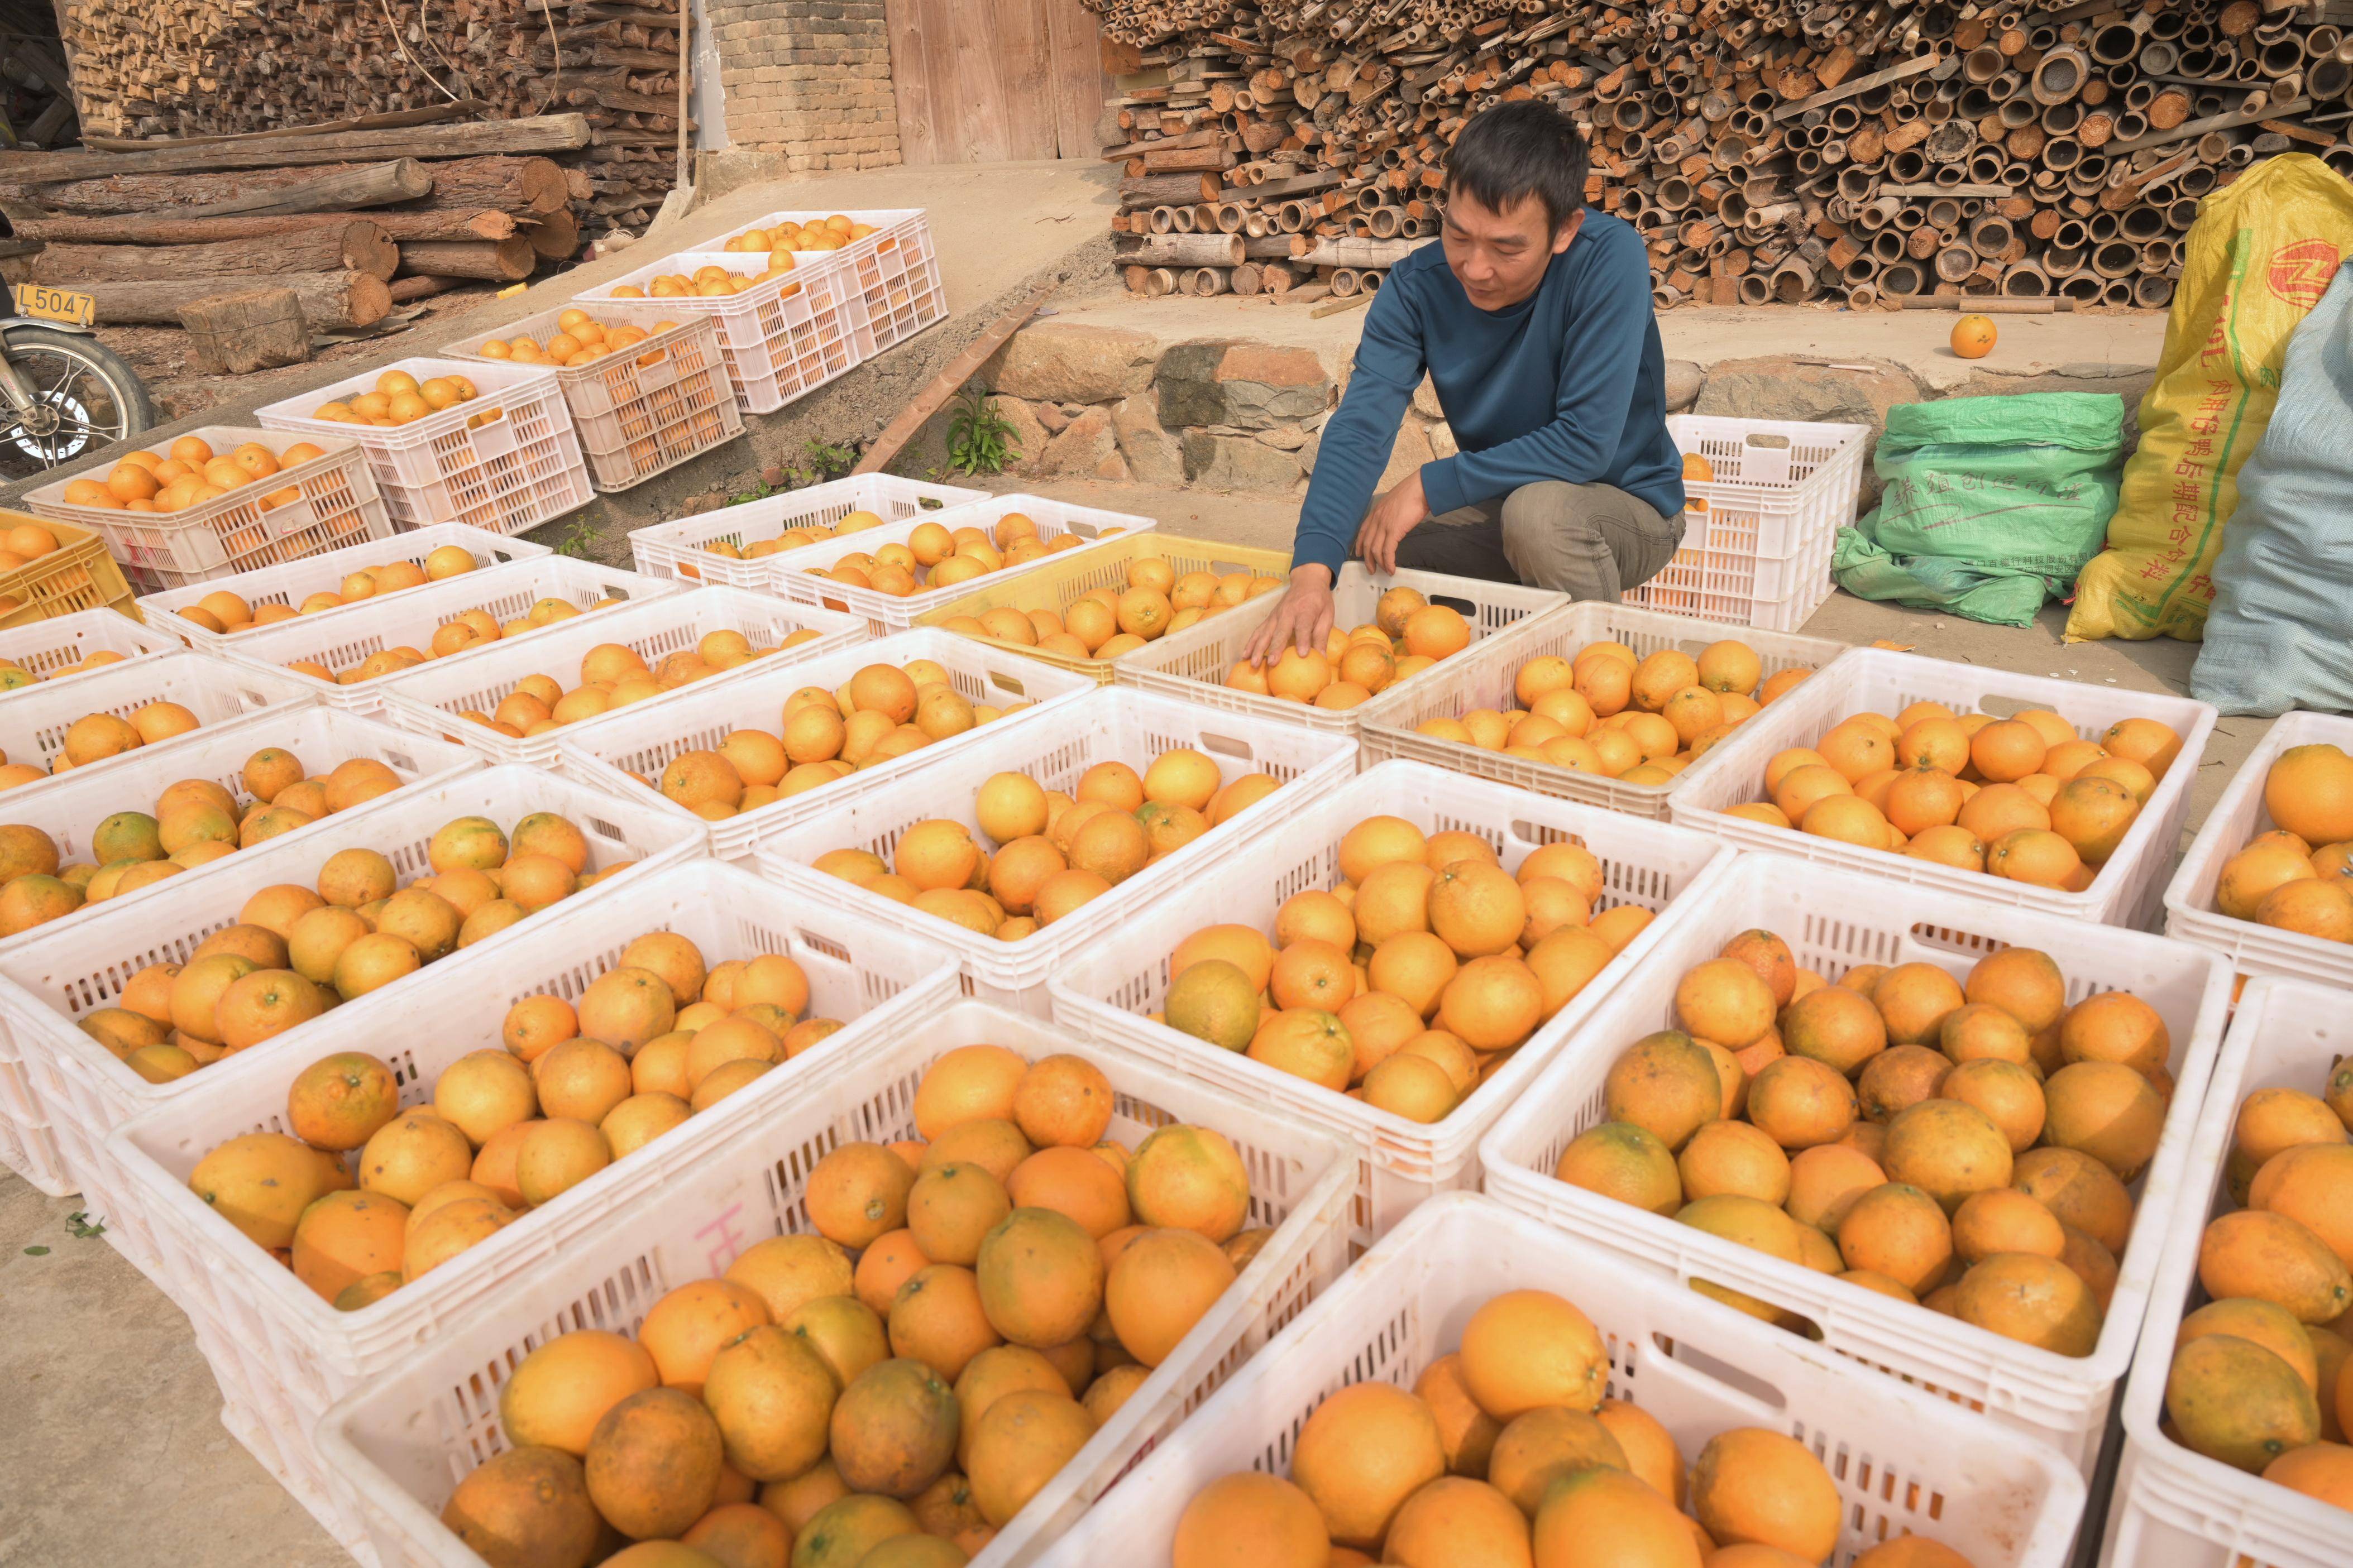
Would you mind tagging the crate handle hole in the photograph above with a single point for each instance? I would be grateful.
(1693, 1360)
(1227, 747)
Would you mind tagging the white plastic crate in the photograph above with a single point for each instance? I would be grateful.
(1759, 554)
(400, 1447)
(1903, 1462)
(505, 461)
(431, 698)
(70, 808)
(642, 738)
(1108, 991)
(49, 648)
(1109, 724)
(1192, 664)
(897, 268)
(34, 719)
(1832, 921)
(644, 410)
(2237, 816)
(1482, 677)
(340, 503)
(781, 339)
(2129, 889)
(52, 978)
(301, 1353)
(2173, 1506)
(342, 638)
(682, 548)
(296, 581)
(796, 572)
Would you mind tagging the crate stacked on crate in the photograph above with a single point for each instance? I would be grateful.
(53, 979)
(76, 575)
(341, 640)
(896, 266)
(1106, 725)
(34, 719)
(781, 337)
(1110, 990)
(59, 648)
(1193, 664)
(1058, 584)
(1834, 921)
(70, 809)
(801, 575)
(399, 1447)
(328, 572)
(1484, 677)
(1902, 1463)
(642, 409)
(283, 1353)
(2239, 816)
(315, 504)
(505, 460)
(437, 699)
(2129, 887)
(2171, 1505)
(1759, 519)
(682, 548)
(626, 752)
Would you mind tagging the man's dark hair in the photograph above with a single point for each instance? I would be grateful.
(1517, 150)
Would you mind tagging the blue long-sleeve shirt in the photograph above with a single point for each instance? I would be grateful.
(1569, 383)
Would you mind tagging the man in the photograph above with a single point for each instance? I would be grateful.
(1533, 318)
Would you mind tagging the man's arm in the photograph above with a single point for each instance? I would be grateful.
(1598, 364)
(1354, 450)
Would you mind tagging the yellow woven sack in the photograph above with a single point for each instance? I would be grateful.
(2259, 257)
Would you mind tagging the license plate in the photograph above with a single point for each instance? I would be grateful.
(56, 304)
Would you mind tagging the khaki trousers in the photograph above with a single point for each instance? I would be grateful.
(1588, 542)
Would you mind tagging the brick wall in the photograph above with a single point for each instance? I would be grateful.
(809, 79)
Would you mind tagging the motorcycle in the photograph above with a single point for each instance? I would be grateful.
(63, 393)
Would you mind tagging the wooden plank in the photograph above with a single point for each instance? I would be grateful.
(1017, 90)
(910, 63)
(1853, 85)
(1080, 81)
(435, 114)
(959, 370)
(2195, 128)
(539, 134)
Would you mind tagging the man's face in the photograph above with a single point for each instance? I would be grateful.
(1499, 258)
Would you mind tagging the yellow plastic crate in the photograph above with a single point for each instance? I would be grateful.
(1060, 584)
(79, 574)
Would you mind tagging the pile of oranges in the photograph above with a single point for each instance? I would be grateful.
(466, 629)
(790, 235)
(710, 281)
(15, 676)
(1609, 711)
(974, 1303)
(295, 951)
(1961, 1144)
(399, 398)
(1050, 854)
(934, 557)
(94, 737)
(792, 538)
(1506, 1451)
(2023, 798)
(1406, 636)
(222, 611)
(195, 822)
(884, 712)
(363, 1197)
(2259, 1378)
(1103, 623)
(613, 675)
(143, 482)
(1416, 979)
(2298, 876)
(23, 544)
(579, 338)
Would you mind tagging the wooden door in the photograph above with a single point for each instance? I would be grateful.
(983, 81)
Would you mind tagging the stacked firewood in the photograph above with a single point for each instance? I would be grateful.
(144, 68)
(1866, 151)
(350, 220)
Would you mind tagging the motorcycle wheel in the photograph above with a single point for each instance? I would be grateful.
(89, 397)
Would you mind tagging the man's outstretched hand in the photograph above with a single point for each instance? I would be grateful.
(1393, 517)
(1302, 616)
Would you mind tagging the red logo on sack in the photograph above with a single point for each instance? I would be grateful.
(2300, 273)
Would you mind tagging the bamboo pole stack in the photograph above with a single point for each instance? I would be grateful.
(147, 69)
(1864, 151)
